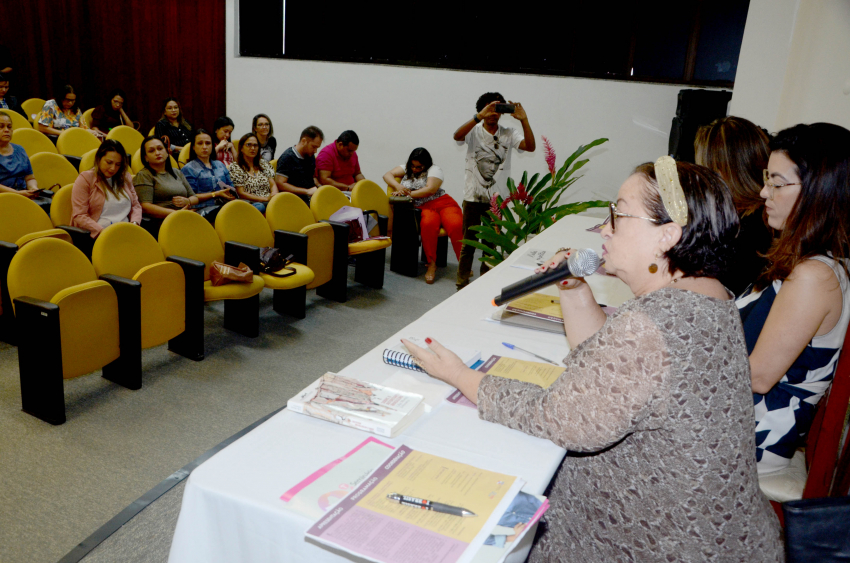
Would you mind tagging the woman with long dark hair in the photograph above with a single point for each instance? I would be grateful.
(796, 315)
(207, 175)
(738, 150)
(105, 194)
(162, 190)
(173, 126)
(421, 179)
(252, 175)
(61, 112)
(111, 113)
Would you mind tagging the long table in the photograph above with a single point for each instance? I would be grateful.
(231, 507)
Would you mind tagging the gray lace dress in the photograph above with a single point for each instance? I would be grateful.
(656, 411)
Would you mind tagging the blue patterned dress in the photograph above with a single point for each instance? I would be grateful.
(785, 413)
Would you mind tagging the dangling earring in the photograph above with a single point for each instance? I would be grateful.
(654, 267)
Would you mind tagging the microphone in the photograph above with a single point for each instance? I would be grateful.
(583, 263)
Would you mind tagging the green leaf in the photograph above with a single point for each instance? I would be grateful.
(511, 186)
(543, 181)
(524, 180)
(492, 262)
(509, 215)
(497, 238)
(530, 182)
(512, 228)
(482, 247)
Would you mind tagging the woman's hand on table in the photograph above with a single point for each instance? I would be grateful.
(446, 366)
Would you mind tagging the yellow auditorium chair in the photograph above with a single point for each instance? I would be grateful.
(87, 160)
(52, 170)
(32, 108)
(240, 225)
(87, 116)
(405, 219)
(18, 120)
(68, 324)
(21, 221)
(370, 255)
(61, 214)
(189, 240)
(152, 131)
(33, 142)
(165, 311)
(273, 164)
(76, 142)
(288, 214)
(136, 164)
(127, 136)
(183, 157)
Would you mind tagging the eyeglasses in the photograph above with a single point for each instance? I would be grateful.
(771, 187)
(612, 210)
(496, 141)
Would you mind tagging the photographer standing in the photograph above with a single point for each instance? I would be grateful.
(488, 165)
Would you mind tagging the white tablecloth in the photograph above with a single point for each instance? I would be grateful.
(231, 508)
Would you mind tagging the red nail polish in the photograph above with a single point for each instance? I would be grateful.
(428, 340)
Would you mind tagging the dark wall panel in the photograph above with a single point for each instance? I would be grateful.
(151, 49)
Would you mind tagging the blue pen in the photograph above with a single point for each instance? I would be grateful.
(514, 347)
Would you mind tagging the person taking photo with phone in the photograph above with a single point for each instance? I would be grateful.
(488, 166)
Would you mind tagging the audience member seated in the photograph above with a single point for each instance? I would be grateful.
(737, 149)
(62, 113)
(225, 152)
(105, 194)
(337, 163)
(653, 404)
(296, 167)
(206, 175)
(7, 101)
(795, 317)
(421, 179)
(173, 126)
(261, 126)
(15, 169)
(253, 176)
(111, 114)
(162, 190)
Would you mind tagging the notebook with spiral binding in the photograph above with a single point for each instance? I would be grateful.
(399, 356)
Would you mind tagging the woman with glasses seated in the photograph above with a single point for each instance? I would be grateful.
(421, 180)
(796, 315)
(738, 150)
(62, 113)
(252, 175)
(261, 126)
(653, 404)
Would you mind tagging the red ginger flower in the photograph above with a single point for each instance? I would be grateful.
(549, 155)
(522, 195)
(494, 206)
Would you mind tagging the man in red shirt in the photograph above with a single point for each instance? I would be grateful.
(337, 163)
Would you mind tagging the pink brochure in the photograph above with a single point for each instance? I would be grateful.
(320, 491)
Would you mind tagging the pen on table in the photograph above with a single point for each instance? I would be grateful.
(429, 505)
(515, 347)
(603, 305)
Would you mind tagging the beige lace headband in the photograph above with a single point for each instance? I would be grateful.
(670, 190)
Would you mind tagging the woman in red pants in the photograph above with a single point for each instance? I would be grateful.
(421, 179)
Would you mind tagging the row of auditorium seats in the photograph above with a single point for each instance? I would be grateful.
(138, 292)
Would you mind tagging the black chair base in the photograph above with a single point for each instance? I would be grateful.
(243, 316)
(291, 302)
(369, 268)
(335, 290)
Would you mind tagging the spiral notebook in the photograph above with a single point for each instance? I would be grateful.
(399, 356)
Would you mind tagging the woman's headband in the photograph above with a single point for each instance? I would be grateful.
(670, 190)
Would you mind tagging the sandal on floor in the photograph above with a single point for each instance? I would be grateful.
(431, 273)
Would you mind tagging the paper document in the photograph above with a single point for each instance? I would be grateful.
(322, 490)
(366, 523)
(531, 259)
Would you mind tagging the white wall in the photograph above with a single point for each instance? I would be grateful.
(795, 63)
(395, 109)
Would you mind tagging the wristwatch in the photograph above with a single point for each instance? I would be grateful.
(475, 118)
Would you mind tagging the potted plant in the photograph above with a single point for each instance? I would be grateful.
(532, 206)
